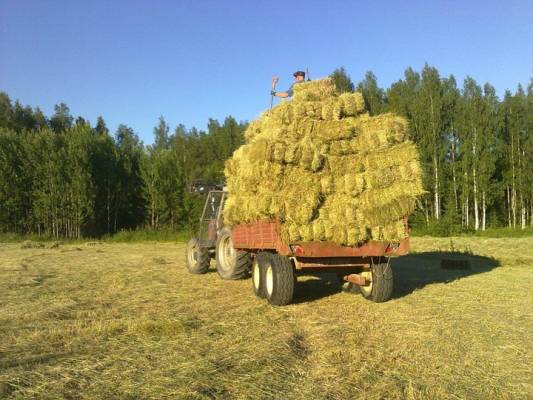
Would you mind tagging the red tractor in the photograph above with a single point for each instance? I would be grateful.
(256, 249)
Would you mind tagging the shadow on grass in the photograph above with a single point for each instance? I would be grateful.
(414, 271)
(316, 287)
(411, 272)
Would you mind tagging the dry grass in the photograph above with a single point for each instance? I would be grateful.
(127, 321)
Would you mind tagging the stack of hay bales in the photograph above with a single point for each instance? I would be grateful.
(325, 169)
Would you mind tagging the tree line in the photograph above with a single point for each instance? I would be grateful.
(476, 149)
(60, 176)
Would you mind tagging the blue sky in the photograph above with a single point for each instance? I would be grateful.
(132, 61)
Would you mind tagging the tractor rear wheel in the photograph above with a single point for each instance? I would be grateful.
(197, 257)
(231, 263)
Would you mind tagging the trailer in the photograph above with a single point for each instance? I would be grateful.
(256, 249)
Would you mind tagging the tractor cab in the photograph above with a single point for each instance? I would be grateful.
(213, 239)
(211, 221)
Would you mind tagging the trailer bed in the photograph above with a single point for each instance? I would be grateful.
(265, 235)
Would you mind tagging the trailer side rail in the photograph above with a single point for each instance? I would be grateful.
(265, 235)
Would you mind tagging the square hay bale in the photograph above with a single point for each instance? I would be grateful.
(325, 169)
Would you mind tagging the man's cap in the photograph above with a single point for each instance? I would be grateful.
(299, 73)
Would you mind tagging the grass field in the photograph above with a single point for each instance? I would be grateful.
(111, 320)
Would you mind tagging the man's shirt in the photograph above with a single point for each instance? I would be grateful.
(290, 92)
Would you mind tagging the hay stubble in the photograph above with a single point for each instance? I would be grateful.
(128, 321)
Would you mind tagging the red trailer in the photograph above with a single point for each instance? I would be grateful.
(256, 248)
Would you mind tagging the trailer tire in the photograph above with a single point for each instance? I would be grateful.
(198, 258)
(258, 276)
(231, 263)
(279, 278)
(380, 288)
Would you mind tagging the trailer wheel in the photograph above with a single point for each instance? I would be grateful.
(258, 275)
(231, 263)
(279, 278)
(197, 257)
(380, 281)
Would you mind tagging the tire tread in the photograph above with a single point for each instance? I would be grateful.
(202, 264)
(260, 260)
(284, 280)
(382, 283)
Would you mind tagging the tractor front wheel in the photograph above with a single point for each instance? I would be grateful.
(197, 257)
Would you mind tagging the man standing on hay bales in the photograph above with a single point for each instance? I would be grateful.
(299, 77)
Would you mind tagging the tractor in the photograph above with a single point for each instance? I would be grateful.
(257, 249)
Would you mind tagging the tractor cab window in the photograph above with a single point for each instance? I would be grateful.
(212, 205)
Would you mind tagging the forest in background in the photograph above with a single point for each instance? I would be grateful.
(61, 176)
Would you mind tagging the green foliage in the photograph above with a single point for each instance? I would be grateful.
(6, 111)
(439, 228)
(130, 212)
(342, 80)
(62, 178)
(149, 235)
(505, 232)
(474, 148)
(161, 139)
(61, 120)
(101, 127)
(68, 180)
(444, 229)
(374, 96)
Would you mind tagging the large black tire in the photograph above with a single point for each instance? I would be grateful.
(381, 282)
(278, 278)
(258, 276)
(197, 257)
(231, 263)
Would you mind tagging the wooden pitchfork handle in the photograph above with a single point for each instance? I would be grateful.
(275, 80)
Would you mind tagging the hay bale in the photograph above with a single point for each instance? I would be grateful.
(318, 90)
(352, 104)
(325, 169)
